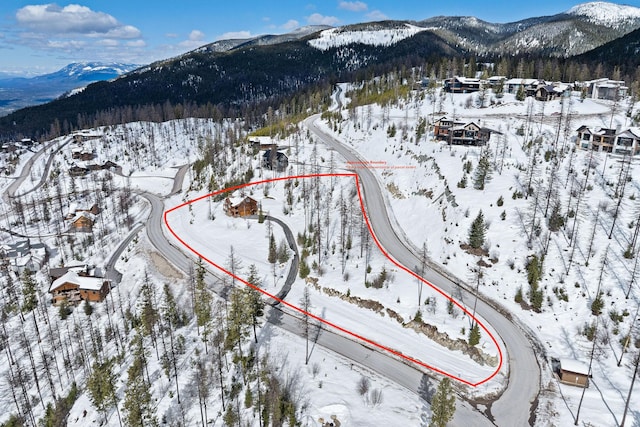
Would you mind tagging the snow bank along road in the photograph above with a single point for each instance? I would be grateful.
(517, 404)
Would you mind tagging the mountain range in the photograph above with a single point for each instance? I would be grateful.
(19, 92)
(264, 71)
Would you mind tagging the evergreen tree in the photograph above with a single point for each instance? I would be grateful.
(534, 272)
(29, 291)
(283, 252)
(88, 308)
(521, 95)
(304, 269)
(474, 334)
(273, 253)
(202, 298)
(483, 171)
(254, 302)
(138, 406)
(476, 234)
(101, 386)
(238, 320)
(443, 404)
(149, 315)
(556, 220)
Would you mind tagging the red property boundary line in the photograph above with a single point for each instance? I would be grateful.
(324, 321)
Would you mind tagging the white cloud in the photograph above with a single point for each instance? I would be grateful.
(66, 44)
(195, 40)
(317, 19)
(136, 43)
(235, 35)
(196, 35)
(73, 19)
(376, 15)
(108, 43)
(171, 35)
(124, 32)
(291, 24)
(353, 6)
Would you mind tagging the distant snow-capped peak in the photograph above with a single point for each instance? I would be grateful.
(605, 13)
(336, 37)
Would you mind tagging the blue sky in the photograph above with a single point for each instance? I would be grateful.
(43, 37)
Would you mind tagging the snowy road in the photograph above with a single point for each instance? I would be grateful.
(516, 405)
(26, 170)
(391, 368)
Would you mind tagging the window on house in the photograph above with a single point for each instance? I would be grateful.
(626, 142)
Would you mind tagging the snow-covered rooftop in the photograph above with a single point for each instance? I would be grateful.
(572, 365)
(88, 283)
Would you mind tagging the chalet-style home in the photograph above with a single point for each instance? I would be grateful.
(27, 142)
(616, 141)
(274, 160)
(574, 372)
(460, 133)
(548, 92)
(262, 142)
(461, 85)
(240, 206)
(528, 85)
(604, 88)
(73, 288)
(82, 153)
(76, 170)
(109, 165)
(23, 255)
(8, 147)
(78, 138)
(83, 222)
(77, 207)
(442, 126)
(495, 81)
(83, 270)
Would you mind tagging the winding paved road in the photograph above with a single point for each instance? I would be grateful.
(513, 408)
(26, 170)
(517, 404)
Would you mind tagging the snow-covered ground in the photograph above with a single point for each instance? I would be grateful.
(213, 239)
(419, 174)
(421, 179)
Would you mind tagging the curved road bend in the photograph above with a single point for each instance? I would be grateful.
(26, 170)
(395, 370)
(517, 404)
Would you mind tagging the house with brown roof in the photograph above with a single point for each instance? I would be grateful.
(240, 206)
(83, 222)
(73, 288)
